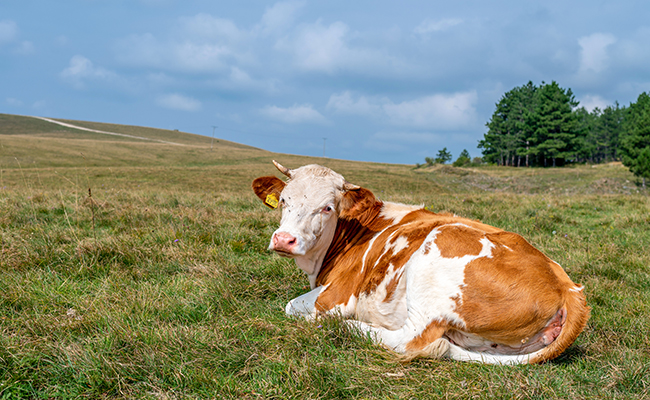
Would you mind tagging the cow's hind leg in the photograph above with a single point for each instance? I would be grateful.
(411, 340)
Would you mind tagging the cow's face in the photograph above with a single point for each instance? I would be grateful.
(310, 202)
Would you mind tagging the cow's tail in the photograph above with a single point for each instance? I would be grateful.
(577, 314)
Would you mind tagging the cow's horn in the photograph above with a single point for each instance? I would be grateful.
(286, 171)
(349, 186)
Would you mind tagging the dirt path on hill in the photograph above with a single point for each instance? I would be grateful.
(104, 132)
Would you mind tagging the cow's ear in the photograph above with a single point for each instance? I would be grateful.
(358, 203)
(268, 189)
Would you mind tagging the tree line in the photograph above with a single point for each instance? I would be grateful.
(463, 160)
(543, 126)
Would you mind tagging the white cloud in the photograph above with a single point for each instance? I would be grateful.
(82, 70)
(321, 48)
(316, 47)
(206, 26)
(235, 58)
(39, 105)
(633, 53)
(240, 79)
(8, 31)
(400, 141)
(156, 3)
(589, 102)
(202, 57)
(408, 137)
(280, 16)
(189, 56)
(439, 111)
(13, 102)
(9, 35)
(593, 56)
(297, 114)
(25, 48)
(177, 101)
(160, 79)
(61, 40)
(429, 26)
(344, 103)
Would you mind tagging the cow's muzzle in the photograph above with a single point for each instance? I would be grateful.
(283, 243)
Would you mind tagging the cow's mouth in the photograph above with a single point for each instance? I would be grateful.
(283, 253)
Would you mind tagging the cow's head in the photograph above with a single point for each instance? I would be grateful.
(312, 200)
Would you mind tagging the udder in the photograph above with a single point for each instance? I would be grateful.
(543, 338)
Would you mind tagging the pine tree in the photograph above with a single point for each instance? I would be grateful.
(509, 129)
(642, 165)
(525, 117)
(587, 122)
(443, 156)
(556, 133)
(611, 125)
(602, 131)
(463, 159)
(635, 137)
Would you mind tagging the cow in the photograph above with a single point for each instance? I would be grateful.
(420, 283)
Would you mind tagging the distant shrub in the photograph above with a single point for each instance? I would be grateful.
(443, 156)
(463, 160)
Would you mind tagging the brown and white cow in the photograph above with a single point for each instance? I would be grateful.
(420, 283)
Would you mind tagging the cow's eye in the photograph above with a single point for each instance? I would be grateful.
(327, 209)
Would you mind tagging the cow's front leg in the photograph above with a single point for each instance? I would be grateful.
(305, 305)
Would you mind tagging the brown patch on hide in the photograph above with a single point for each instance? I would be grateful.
(391, 287)
(512, 295)
(432, 332)
(458, 241)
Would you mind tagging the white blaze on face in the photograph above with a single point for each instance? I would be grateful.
(309, 214)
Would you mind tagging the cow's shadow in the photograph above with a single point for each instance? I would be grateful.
(570, 356)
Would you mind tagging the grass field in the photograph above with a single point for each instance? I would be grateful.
(135, 269)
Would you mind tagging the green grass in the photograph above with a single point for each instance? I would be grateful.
(158, 285)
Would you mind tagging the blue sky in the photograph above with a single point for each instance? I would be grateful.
(381, 81)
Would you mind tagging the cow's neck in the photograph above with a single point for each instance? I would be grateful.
(348, 234)
(312, 264)
(353, 233)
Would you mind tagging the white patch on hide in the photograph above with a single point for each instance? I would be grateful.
(398, 244)
(397, 211)
(373, 308)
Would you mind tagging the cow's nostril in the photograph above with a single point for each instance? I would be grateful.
(284, 241)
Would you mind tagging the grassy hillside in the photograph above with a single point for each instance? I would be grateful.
(139, 270)
(30, 142)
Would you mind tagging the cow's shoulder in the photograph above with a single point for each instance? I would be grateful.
(393, 213)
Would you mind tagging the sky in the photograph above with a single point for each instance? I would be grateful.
(363, 80)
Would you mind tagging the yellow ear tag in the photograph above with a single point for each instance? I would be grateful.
(271, 200)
